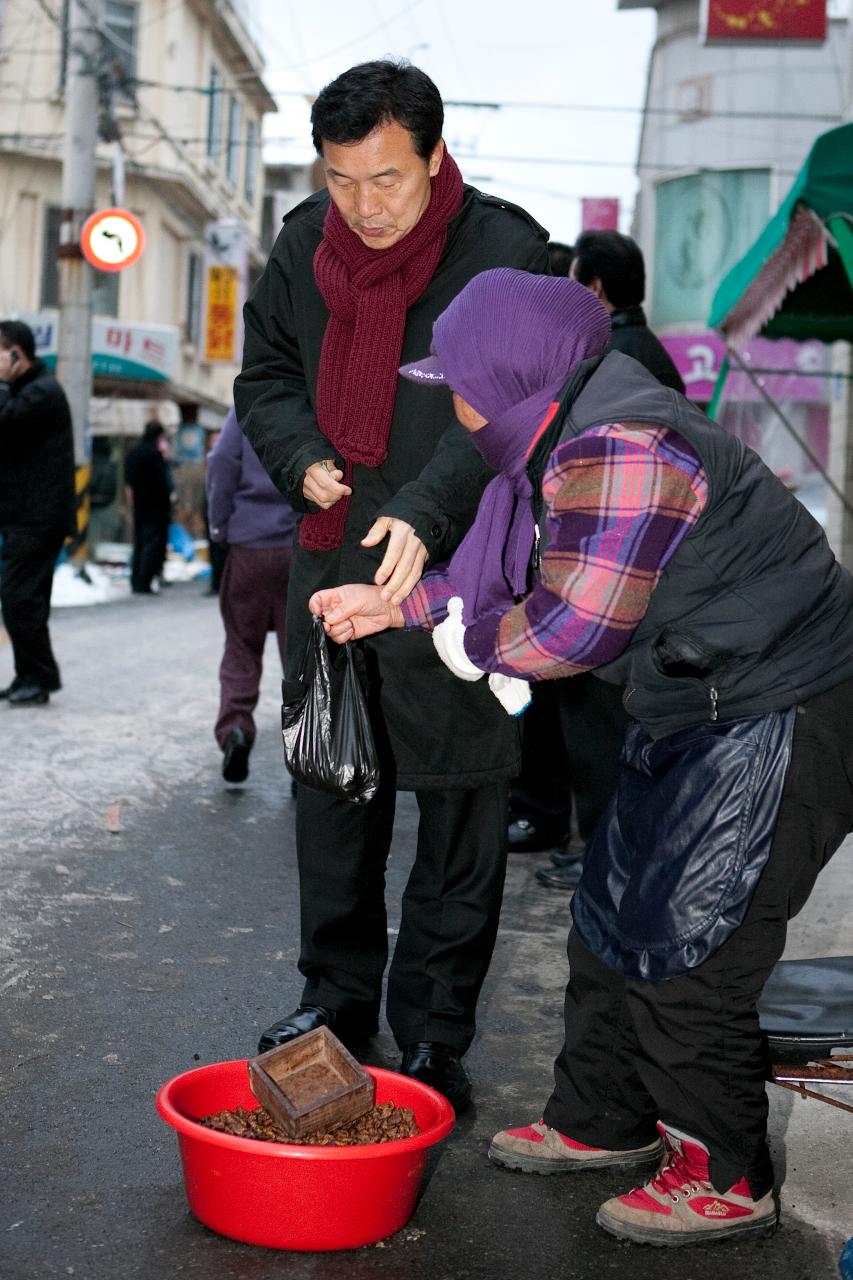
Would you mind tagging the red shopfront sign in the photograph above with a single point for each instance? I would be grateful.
(766, 20)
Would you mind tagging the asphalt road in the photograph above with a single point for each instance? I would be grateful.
(129, 955)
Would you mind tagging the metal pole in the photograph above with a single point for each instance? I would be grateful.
(792, 430)
(74, 356)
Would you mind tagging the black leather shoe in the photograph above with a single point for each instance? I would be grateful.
(565, 876)
(308, 1017)
(525, 836)
(235, 759)
(568, 851)
(438, 1065)
(10, 688)
(28, 695)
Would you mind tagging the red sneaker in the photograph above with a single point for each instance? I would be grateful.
(537, 1148)
(681, 1206)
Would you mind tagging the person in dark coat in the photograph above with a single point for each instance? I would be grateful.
(612, 265)
(571, 740)
(37, 508)
(246, 511)
(385, 483)
(626, 534)
(147, 475)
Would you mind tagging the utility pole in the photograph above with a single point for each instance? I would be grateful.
(74, 360)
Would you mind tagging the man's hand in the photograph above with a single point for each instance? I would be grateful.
(355, 611)
(404, 559)
(321, 484)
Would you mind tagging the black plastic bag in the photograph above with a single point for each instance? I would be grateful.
(328, 742)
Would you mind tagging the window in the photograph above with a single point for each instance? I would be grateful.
(105, 288)
(120, 32)
(233, 150)
(251, 159)
(192, 320)
(703, 224)
(214, 113)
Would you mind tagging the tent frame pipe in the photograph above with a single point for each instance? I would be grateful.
(787, 424)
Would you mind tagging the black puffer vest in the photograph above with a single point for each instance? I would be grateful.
(753, 613)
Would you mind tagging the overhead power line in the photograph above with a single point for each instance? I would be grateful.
(513, 105)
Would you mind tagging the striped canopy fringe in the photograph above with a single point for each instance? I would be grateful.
(803, 252)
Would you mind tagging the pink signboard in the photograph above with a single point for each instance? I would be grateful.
(599, 214)
(698, 357)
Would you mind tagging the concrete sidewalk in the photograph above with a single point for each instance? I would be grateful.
(131, 955)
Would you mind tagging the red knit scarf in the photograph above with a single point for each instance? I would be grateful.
(368, 293)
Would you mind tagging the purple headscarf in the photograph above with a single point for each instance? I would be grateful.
(507, 344)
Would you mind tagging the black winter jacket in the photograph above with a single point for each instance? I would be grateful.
(441, 731)
(147, 473)
(36, 454)
(631, 335)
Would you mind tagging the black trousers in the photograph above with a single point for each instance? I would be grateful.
(150, 538)
(572, 738)
(450, 908)
(689, 1051)
(29, 557)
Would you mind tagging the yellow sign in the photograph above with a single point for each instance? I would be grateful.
(223, 289)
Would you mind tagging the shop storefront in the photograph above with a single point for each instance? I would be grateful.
(796, 375)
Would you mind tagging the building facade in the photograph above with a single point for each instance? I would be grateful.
(185, 93)
(726, 128)
(182, 101)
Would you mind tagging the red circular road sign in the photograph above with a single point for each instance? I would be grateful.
(112, 239)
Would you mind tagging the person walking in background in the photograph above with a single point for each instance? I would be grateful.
(613, 267)
(147, 476)
(37, 508)
(385, 480)
(246, 511)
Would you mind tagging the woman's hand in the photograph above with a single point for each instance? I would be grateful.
(354, 611)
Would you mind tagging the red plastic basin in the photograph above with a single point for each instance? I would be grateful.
(293, 1197)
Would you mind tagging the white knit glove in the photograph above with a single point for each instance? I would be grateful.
(449, 640)
(512, 693)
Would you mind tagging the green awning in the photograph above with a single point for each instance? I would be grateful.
(797, 279)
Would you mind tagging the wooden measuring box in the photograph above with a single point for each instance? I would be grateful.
(311, 1083)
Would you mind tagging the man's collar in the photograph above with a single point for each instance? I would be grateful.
(627, 316)
(35, 368)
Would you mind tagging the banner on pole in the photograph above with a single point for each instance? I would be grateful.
(225, 286)
(599, 214)
(799, 21)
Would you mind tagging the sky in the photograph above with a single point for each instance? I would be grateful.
(573, 53)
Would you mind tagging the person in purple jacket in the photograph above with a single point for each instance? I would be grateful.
(247, 511)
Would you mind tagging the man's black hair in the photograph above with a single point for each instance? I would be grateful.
(560, 257)
(377, 93)
(153, 431)
(618, 263)
(14, 333)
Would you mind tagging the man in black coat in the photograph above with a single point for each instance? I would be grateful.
(147, 474)
(386, 483)
(612, 266)
(37, 505)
